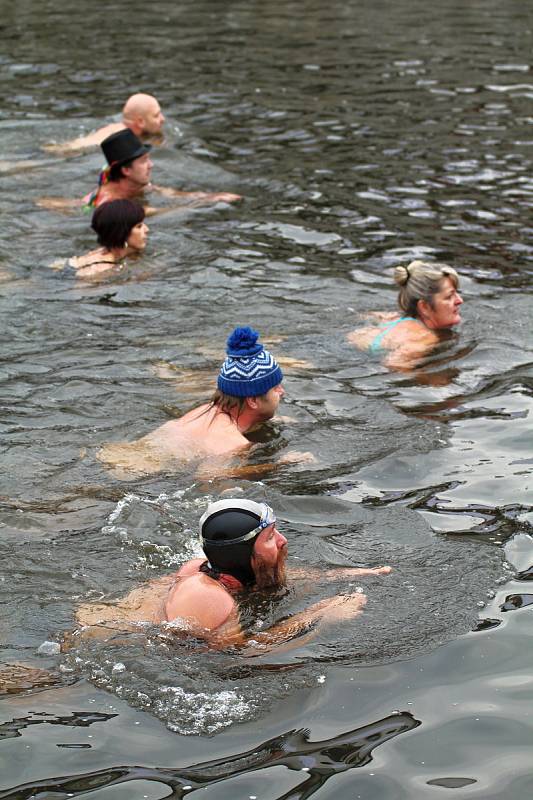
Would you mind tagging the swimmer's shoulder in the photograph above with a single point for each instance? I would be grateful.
(413, 330)
(190, 568)
(79, 262)
(405, 330)
(199, 600)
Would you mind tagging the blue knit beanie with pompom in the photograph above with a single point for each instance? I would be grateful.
(249, 370)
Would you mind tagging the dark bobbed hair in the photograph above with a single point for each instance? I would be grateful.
(113, 221)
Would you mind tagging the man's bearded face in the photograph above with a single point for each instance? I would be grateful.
(268, 575)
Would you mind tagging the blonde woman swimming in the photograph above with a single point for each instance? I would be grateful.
(430, 303)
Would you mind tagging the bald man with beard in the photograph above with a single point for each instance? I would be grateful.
(141, 114)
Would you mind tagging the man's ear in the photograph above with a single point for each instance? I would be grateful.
(251, 402)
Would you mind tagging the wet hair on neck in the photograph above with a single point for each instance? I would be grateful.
(227, 403)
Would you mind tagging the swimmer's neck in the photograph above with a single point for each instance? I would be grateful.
(244, 420)
(123, 189)
(134, 190)
(117, 254)
(229, 582)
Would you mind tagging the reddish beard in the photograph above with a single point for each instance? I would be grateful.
(268, 576)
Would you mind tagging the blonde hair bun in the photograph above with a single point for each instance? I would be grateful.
(401, 275)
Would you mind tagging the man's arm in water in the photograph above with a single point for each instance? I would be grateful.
(335, 573)
(300, 628)
(195, 199)
(293, 631)
(83, 142)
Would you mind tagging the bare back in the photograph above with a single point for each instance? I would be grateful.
(202, 432)
(84, 142)
(191, 600)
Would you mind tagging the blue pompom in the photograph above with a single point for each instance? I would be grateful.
(243, 342)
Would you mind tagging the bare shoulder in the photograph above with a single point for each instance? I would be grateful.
(190, 568)
(226, 435)
(417, 330)
(199, 601)
(415, 338)
(215, 433)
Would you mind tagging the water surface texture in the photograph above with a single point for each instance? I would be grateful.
(361, 135)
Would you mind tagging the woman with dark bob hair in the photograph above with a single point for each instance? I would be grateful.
(121, 231)
(429, 300)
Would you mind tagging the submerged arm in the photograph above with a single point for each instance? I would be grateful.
(195, 199)
(334, 573)
(408, 356)
(293, 631)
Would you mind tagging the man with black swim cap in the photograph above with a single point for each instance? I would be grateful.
(245, 552)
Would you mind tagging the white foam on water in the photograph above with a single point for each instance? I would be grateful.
(194, 713)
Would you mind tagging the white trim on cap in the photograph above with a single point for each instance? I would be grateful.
(236, 504)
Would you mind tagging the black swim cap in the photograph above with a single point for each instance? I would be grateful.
(229, 529)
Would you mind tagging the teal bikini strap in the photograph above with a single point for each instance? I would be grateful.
(375, 346)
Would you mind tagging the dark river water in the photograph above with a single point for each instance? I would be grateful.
(361, 135)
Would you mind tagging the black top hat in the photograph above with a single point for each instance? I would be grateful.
(123, 146)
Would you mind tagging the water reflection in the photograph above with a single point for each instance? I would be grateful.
(15, 728)
(293, 750)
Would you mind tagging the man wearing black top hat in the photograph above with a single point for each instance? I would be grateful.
(128, 175)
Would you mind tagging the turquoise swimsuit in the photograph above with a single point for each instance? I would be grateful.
(375, 345)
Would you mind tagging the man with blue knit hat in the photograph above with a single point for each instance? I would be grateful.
(248, 393)
(249, 380)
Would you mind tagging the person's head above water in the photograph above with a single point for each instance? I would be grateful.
(240, 538)
(119, 224)
(127, 157)
(429, 292)
(249, 375)
(142, 115)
